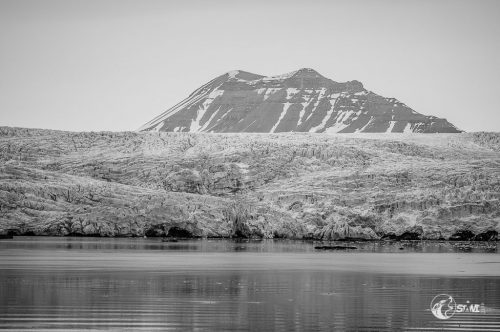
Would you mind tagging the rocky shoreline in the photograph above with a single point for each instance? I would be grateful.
(293, 185)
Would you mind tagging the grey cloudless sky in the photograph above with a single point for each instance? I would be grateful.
(114, 64)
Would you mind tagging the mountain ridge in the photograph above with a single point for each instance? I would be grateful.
(298, 101)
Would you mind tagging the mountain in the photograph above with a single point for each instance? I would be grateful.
(300, 101)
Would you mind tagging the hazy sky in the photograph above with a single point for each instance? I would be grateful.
(115, 64)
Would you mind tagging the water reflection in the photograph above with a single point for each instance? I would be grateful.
(224, 245)
(51, 285)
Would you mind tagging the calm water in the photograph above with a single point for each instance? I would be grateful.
(220, 285)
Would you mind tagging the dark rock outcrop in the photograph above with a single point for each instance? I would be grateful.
(487, 236)
(463, 235)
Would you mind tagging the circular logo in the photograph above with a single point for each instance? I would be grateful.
(443, 306)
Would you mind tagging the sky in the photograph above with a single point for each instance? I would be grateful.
(90, 65)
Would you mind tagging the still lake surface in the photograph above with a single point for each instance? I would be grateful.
(69, 284)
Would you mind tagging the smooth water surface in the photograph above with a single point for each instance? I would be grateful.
(221, 285)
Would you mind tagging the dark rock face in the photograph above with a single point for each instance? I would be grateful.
(463, 235)
(293, 185)
(300, 101)
(179, 232)
(487, 236)
(409, 236)
(467, 235)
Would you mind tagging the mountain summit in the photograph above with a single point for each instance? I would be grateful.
(299, 101)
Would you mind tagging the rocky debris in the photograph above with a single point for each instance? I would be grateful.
(301, 101)
(291, 185)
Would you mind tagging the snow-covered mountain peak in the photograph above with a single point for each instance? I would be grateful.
(298, 101)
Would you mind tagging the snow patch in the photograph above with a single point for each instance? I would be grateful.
(233, 73)
(210, 98)
(249, 125)
(407, 128)
(282, 115)
(206, 124)
(323, 122)
(315, 105)
(223, 115)
(280, 77)
(333, 97)
(195, 123)
(158, 127)
(193, 99)
(290, 92)
(328, 114)
(364, 127)
(340, 123)
(391, 125)
(270, 91)
(302, 112)
(362, 93)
